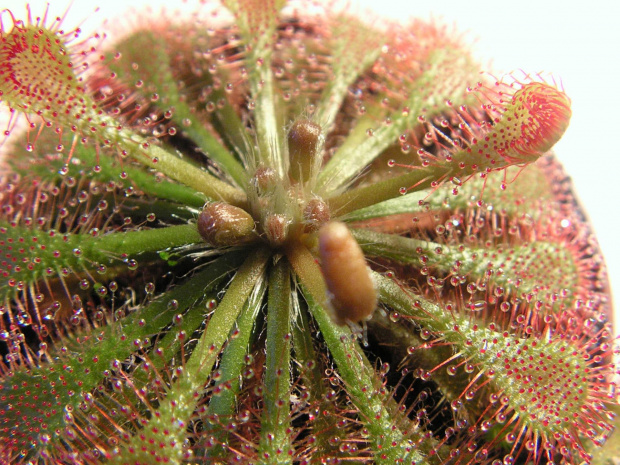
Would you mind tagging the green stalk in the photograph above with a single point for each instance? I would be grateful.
(409, 203)
(223, 402)
(80, 252)
(366, 196)
(258, 30)
(213, 149)
(170, 344)
(188, 174)
(268, 117)
(156, 157)
(349, 60)
(524, 188)
(324, 426)
(150, 185)
(275, 442)
(132, 243)
(109, 169)
(229, 126)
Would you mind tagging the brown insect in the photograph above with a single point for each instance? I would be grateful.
(352, 293)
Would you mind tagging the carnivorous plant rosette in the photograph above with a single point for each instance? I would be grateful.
(273, 234)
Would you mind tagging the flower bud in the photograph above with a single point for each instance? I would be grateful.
(316, 213)
(276, 229)
(304, 140)
(221, 224)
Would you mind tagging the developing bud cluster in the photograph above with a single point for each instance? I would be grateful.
(275, 234)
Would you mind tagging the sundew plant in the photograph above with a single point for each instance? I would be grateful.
(277, 234)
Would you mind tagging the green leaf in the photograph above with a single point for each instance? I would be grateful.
(236, 358)
(388, 441)
(524, 129)
(546, 269)
(145, 56)
(164, 434)
(79, 365)
(430, 90)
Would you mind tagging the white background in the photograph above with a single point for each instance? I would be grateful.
(576, 41)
